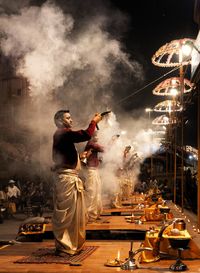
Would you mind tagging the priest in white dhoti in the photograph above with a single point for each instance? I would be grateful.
(93, 194)
(68, 219)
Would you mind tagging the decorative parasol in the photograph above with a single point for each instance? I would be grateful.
(165, 87)
(162, 120)
(169, 54)
(168, 106)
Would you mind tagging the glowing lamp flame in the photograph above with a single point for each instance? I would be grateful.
(118, 255)
(187, 49)
(174, 92)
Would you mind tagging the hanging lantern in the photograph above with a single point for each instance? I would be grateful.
(168, 106)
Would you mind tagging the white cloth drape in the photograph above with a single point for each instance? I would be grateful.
(92, 193)
(69, 212)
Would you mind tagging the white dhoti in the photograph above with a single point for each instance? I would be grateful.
(93, 198)
(69, 212)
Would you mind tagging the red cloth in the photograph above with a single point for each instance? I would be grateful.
(64, 151)
(93, 160)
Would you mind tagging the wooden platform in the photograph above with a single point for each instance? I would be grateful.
(113, 227)
(116, 227)
(113, 223)
(94, 263)
(122, 211)
(107, 249)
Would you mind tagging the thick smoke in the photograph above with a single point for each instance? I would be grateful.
(115, 138)
(75, 63)
(47, 53)
(36, 37)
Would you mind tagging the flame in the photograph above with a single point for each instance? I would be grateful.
(118, 255)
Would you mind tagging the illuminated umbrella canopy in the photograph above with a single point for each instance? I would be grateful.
(170, 54)
(165, 87)
(163, 120)
(168, 106)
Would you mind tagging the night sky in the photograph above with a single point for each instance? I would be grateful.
(151, 25)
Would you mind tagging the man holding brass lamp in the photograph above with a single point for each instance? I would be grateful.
(69, 209)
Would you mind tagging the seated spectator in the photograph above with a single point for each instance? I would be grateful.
(153, 183)
(165, 190)
(138, 187)
(37, 203)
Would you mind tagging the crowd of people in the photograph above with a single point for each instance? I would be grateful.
(151, 183)
(28, 198)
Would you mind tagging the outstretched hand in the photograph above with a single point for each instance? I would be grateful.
(97, 117)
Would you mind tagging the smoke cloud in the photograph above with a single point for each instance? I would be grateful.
(46, 51)
(115, 138)
(72, 62)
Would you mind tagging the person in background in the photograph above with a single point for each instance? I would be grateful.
(93, 181)
(13, 190)
(166, 191)
(153, 183)
(14, 195)
(69, 215)
(4, 204)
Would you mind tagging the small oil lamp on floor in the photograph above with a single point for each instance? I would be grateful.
(116, 262)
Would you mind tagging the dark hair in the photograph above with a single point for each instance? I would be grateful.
(59, 116)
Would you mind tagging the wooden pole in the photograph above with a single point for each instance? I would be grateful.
(182, 136)
(175, 162)
(198, 172)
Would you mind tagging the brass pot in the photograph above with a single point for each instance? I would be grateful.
(180, 224)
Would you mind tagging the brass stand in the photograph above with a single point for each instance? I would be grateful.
(130, 263)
